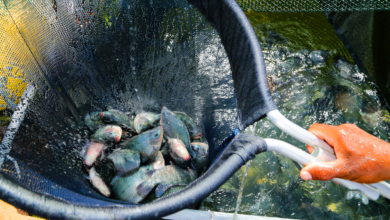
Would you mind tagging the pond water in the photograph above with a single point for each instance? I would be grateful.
(313, 79)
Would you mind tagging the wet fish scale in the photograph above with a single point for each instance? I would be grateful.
(93, 151)
(98, 183)
(152, 196)
(175, 128)
(119, 118)
(93, 121)
(178, 152)
(145, 120)
(192, 128)
(147, 144)
(201, 155)
(169, 175)
(124, 188)
(108, 133)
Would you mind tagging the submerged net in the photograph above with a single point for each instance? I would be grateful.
(314, 5)
(315, 80)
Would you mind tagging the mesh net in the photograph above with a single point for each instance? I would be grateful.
(87, 56)
(313, 5)
(138, 55)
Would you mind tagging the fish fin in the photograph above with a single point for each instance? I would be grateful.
(143, 190)
(150, 173)
(113, 181)
(193, 166)
(133, 162)
(162, 188)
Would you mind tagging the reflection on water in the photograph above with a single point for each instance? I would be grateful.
(313, 80)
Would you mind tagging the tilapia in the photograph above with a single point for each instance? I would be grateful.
(108, 133)
(94, 149)
(145, 120)
(124, 187)
(165, 178)
(175, 128)
(153, 196)
(93, 121)
(178, 153)
(201, 155)
(119, 118)
(124, 160)
(98, 183)
(147, 144)
(192, 128)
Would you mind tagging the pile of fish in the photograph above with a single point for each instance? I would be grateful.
(143, 159)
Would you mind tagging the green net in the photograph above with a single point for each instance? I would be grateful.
(313, 5)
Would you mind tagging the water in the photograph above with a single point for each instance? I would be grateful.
(313, 79)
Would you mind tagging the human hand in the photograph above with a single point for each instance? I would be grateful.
(361, 157)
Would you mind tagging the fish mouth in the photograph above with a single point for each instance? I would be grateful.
(117, 139)
(102, 115)
(186, 157)
(196, 137)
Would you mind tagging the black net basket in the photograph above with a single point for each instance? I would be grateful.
(201, 58)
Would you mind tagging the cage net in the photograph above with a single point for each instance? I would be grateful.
(84, 56)
(313, 5)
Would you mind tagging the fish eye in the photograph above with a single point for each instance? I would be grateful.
(156, 135)
(195, 147)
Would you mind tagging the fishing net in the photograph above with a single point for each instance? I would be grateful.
(313, 5)
(84, 56)
(90, 56)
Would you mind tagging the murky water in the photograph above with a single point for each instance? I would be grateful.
(313, 79)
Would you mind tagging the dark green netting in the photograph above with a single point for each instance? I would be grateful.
(129, 55)
(313, 5)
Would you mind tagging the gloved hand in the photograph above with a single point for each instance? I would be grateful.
(361, 157)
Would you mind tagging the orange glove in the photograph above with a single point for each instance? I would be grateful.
(361, 157)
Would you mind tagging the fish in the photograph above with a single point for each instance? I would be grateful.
(94, 149)
(124, 187)
(119, 118)
(196, 140)
(124, 160)
(108, 133)
(93, 121)
(178, 153)
(158, 162)
(145, 120)
(166, 177)
(152, 196)
(175, 128)
(193, 130)
(147, 143)
(98, 183)
(201, 155)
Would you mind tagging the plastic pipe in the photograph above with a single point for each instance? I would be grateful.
(298, 132)
(304, 158)
(322, 151)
